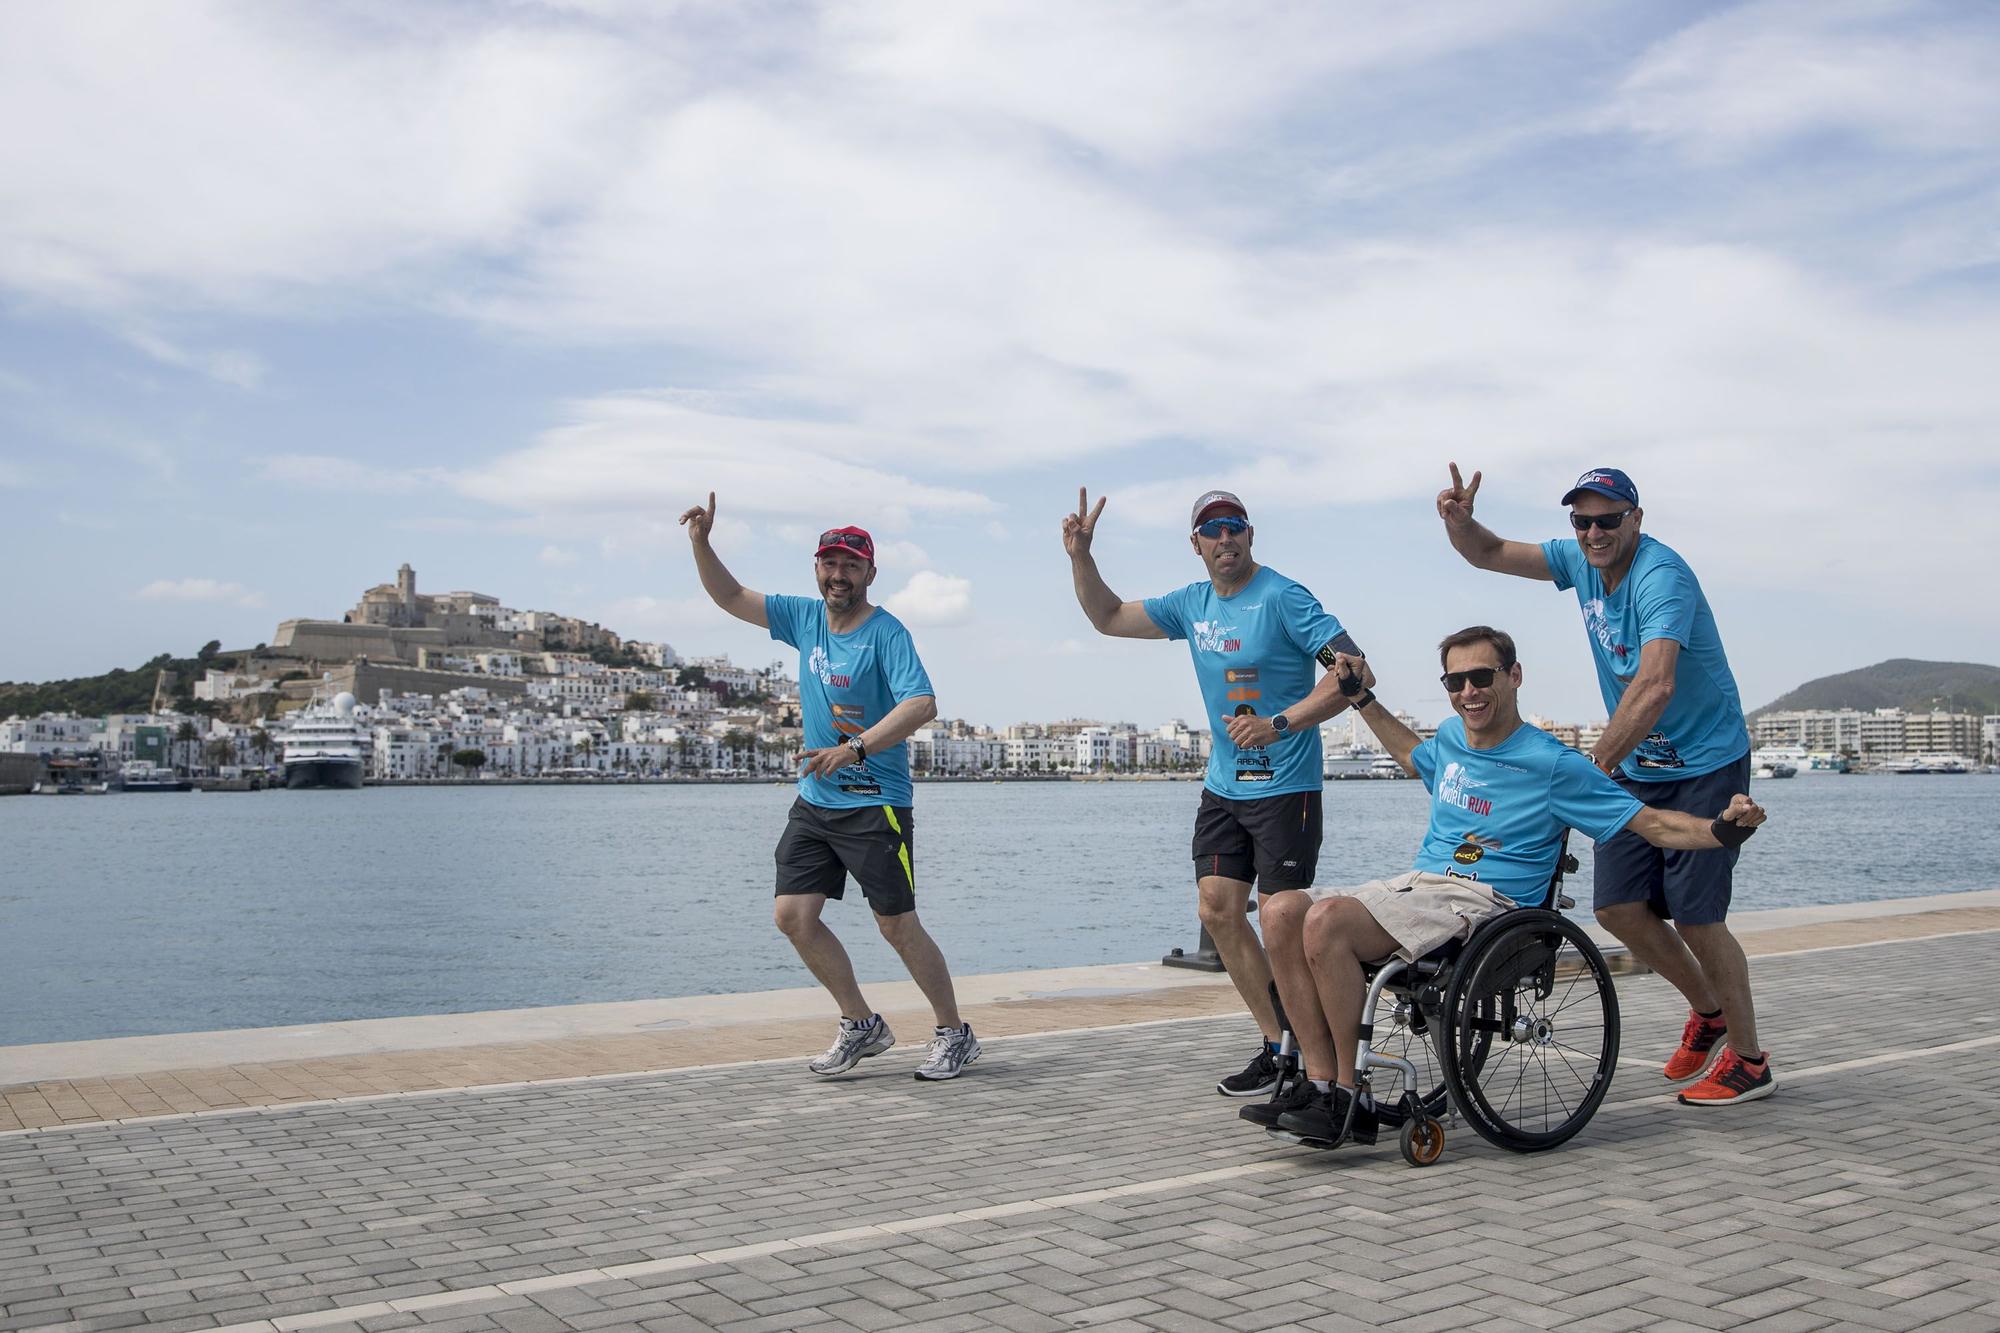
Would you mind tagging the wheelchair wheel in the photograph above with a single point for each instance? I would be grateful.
(1407, 1029)
(1530, 1037)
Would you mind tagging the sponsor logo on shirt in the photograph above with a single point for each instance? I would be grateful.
(828, 670)
(1456, 789)
(1239, 675)
(1656, 751)
(1212, 636)
(1472, 846)
(1598, 626)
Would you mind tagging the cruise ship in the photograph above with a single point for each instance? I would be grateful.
(324, 747)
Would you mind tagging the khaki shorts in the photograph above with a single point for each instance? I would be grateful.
(1423, 912)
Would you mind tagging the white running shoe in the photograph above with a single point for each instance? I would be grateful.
(855, 1043)
(952, 1049)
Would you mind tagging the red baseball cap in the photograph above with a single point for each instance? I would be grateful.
(854, 541)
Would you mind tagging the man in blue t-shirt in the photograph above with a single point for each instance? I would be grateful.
(862, 692)
(1254, 635)
(1502, 794)
(1676, 740)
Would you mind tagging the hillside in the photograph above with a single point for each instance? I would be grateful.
(1901, 682)
(116, 691)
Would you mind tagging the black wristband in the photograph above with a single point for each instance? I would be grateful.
(1362, 700)
(1354, 693)
(1729, 834)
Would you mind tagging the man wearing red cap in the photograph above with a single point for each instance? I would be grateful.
(1253, 635)
(1676, 741)
(862, 692)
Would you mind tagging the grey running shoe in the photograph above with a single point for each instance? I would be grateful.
(951, 1051)
(856, 1042)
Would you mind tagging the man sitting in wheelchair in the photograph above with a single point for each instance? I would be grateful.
(1503, 795)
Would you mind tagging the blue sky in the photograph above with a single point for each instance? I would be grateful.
(290, 294)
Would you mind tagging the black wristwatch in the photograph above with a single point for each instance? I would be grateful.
(1280, 723)
(860, 750)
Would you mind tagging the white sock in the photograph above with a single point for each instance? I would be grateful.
(1322, 1085)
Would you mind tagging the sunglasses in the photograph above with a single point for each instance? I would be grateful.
(1215, 527)
(1608, 522)
(852, 541)
(1479, 678)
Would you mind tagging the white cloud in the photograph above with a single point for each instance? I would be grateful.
(325, 472)
(244, 370)
(1917, 78)
(931, 598)
(557, 556)
(198, 590)
(652, 457)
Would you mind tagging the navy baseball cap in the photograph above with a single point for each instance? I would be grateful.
(1607, 481)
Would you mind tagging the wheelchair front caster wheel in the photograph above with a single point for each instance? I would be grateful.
(1422, 1141)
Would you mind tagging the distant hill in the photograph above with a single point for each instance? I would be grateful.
(118, 691)
(1901, 682)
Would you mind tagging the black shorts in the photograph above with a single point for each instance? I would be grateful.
(874, 843)
(1692, 888)
(1271, 841)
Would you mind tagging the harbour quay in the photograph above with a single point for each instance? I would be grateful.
(670, 1164)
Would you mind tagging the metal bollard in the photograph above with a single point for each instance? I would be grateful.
(1204, 958)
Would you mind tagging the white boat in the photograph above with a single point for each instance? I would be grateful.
(1385, 767)
(144, 775)
(1353, 761)
(1778, 769)
(1930, 764)
(325, 747)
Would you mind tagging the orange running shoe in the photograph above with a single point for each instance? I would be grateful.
(1731, 1082)
(1699, 1041)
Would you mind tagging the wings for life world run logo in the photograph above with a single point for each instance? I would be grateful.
(1456, 789)
(824, 667)
(1209, 637)
(1599, 626)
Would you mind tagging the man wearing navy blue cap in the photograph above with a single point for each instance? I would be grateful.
(1676, 741)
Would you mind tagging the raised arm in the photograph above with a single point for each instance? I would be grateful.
(1639, 709)
(1480, 547)
(1120, 620)
(1356, 683)
(716, 580)
(1686, 832)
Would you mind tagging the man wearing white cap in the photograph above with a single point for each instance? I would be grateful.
(1253, 635)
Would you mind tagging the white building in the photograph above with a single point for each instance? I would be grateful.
(51, 733)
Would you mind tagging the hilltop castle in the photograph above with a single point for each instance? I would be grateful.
(393, 622)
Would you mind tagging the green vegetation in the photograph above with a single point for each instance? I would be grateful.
(119, 691)
(1902, 682)
(469, 760)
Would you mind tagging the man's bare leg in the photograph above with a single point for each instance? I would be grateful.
(925, 960)
(1662, 948)
(1222, 906)
(1728, 974)
(797, 915)
(1341, 935)
(1284, 920)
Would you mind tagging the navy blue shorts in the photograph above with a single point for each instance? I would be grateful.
(1692, 888)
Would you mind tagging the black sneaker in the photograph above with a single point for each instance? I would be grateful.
(1293, 1095)
(1317, 1124)
(1258, 1077)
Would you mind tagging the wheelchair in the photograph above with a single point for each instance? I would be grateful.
(1515, 1029)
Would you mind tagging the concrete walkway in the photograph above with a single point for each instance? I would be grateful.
(1083, 1174)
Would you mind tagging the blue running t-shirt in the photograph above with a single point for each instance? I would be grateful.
(847, 682)
(1253, 653)
(1702, 729)
(1498, 815)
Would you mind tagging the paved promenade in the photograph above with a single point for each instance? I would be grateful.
(1082, 1174)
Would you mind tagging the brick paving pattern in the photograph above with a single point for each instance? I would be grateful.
(1070, 1180)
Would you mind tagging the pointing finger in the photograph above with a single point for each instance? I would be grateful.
(1457, 482)
(1473, 489)
(1091, 522)
(1082, 501)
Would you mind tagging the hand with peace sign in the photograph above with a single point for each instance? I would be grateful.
(700, 522)
(1078, 528)
(1455, 501)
